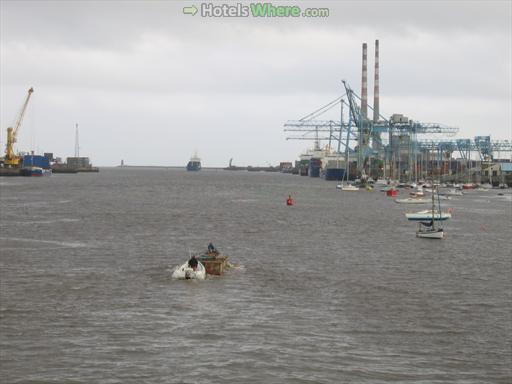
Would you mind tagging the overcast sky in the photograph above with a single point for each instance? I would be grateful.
(151, 85)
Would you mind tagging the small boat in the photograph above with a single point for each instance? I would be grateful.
(467, 186)
(411, 200)
(194, 164)
(429, 229)
(427, 215)
(185, 272)
(347, 187)
(392, 192)
(418, 193)
(214, 263)
(454, 192)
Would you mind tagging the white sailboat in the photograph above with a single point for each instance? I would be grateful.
(453, 192)
(347, 187)
(429, 229)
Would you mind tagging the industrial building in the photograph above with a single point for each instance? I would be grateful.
(78, 162)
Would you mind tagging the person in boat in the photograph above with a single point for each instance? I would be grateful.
(211, 248)
(192, 263)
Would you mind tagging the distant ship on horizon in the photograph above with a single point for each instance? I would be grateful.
(194, 164)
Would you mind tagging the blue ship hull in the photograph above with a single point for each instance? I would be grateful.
(314, 167)
(35, 171)
(314, 171)
(334, 174)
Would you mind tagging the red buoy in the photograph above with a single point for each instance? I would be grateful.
(289, 201)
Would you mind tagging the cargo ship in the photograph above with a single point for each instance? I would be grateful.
(315, 165)
(35, 165)
(334, 167)
(310, 162)
(35, 171)
(194, 164)
(322, 163)
(304, 164)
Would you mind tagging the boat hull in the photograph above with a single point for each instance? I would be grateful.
(184, 272)
(35, 171)
(315, 165)
(304, 167)
(411, 201)
(214, 263)
(427, 216)
(431, 234)
(193, 166)
(334, 174)
(347, 188)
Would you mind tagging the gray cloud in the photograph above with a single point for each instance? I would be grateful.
(124, 68)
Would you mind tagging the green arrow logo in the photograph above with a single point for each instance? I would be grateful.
(190, 10)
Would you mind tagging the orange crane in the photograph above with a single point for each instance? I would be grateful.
(11, 159)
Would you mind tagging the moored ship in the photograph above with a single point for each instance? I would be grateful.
(35, 171)
(304, 164)
(321, 162)
(316, 161)
(315, 166)
(334, 167)
(35, 165)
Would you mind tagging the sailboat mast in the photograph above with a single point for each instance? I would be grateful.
(341, 126)
(347, 149)
(439, 204)
(433, 206)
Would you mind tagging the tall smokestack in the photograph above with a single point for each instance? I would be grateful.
(376, 84)
(364, 84)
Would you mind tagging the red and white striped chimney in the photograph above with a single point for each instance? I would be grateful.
(376, 84)
(364, 84)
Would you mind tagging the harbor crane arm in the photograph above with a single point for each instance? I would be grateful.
(10, 157)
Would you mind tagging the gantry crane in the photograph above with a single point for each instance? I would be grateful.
(482, 145)
(11, 159)
(402, 143)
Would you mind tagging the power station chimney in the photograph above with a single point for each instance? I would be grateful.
(376, 85)
(364, 85)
